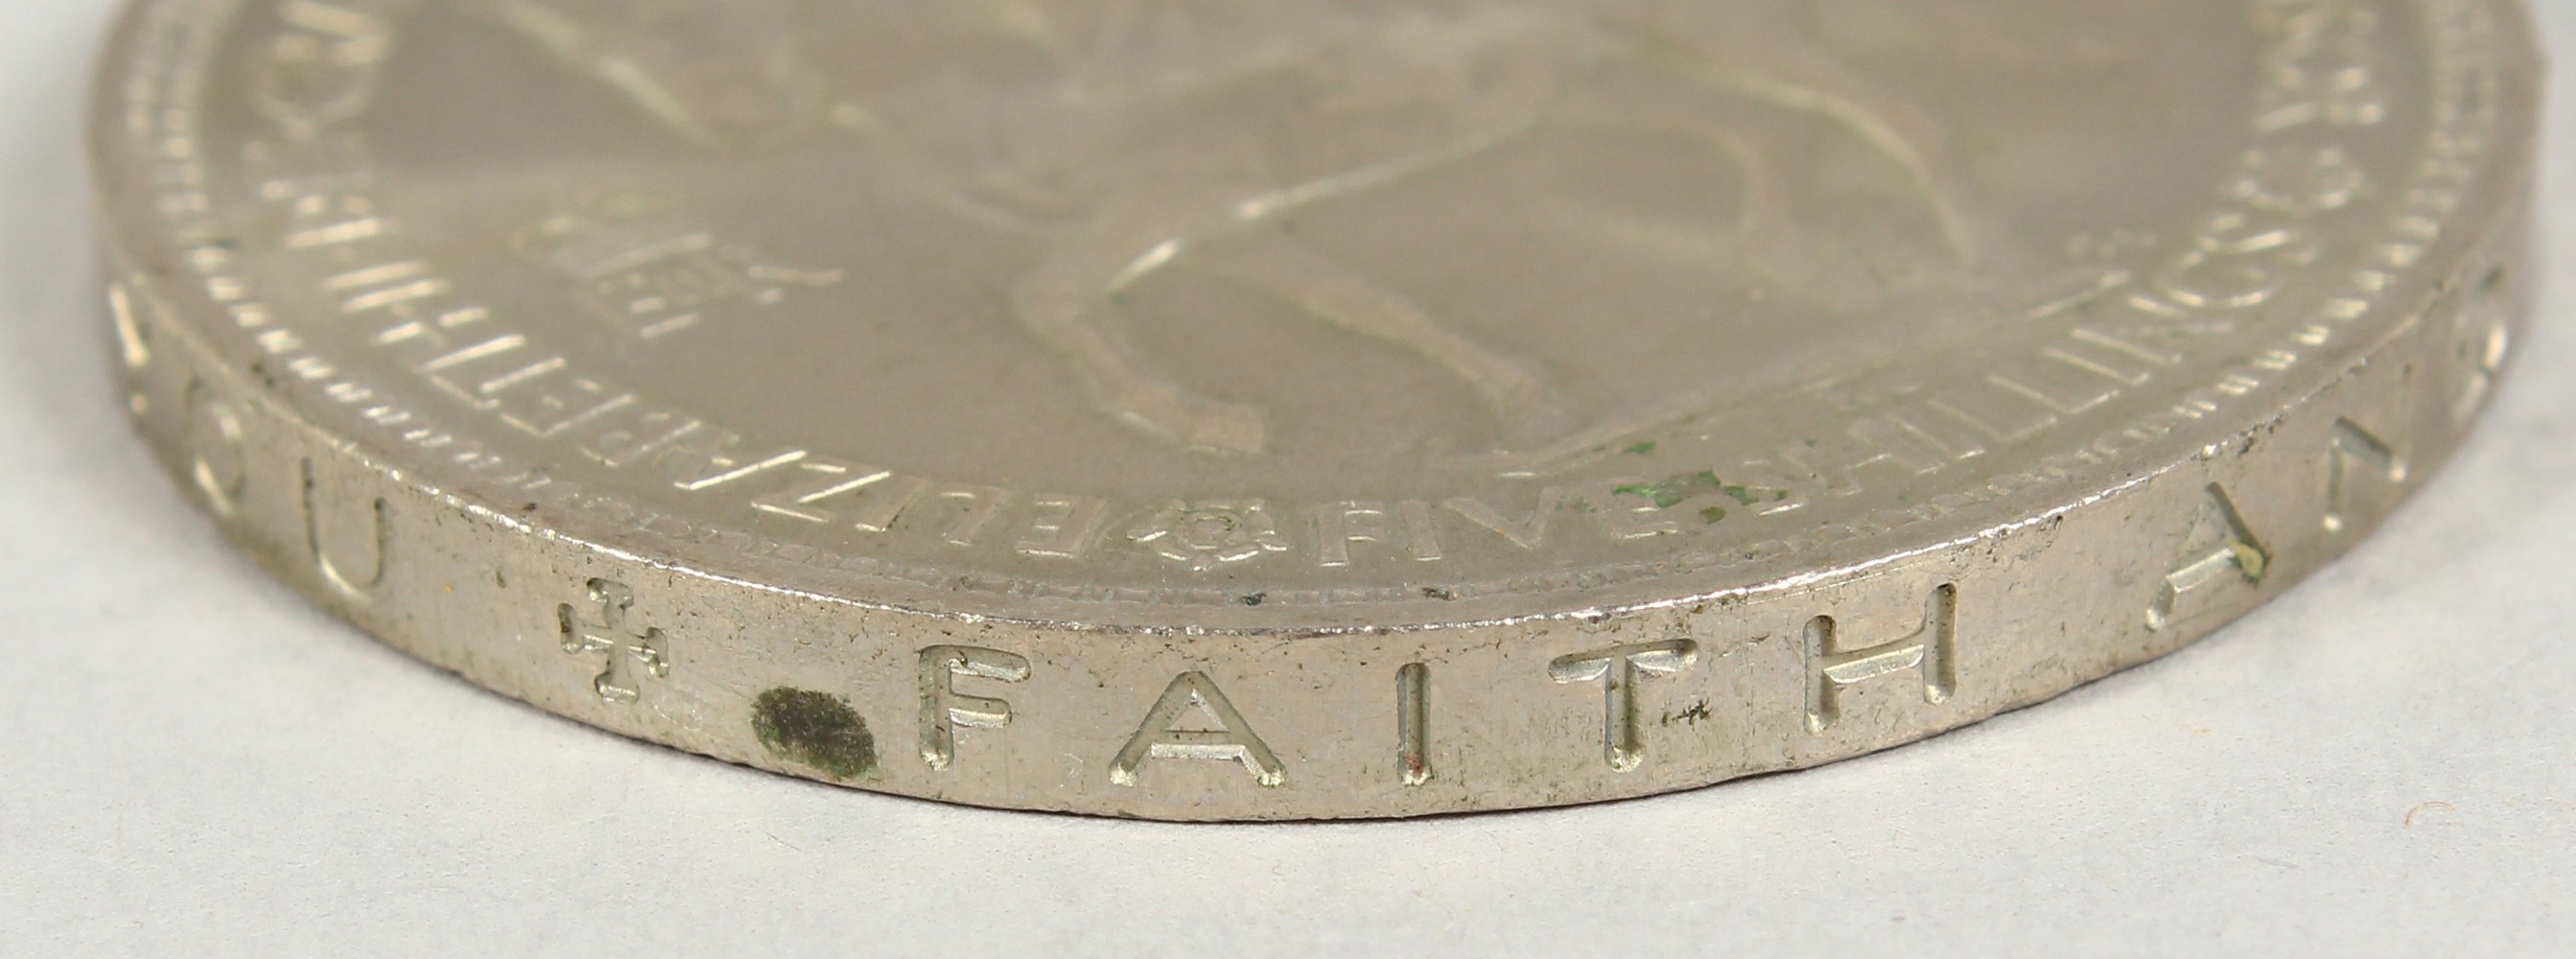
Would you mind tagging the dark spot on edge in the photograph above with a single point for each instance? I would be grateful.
(814, 729)
(1256, 599)
(1434, 592)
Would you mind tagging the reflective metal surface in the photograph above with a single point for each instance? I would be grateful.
(1306, 410)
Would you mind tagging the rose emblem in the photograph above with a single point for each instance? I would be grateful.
(1210, 534)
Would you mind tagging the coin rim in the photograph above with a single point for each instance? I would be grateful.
(2488, 217)
(2466, 229)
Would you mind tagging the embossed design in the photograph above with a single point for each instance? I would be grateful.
(1744, 80)
(646, 269)
(829, 479)
(716, 73)
(1160, 737)
(2357, 453)
(1528, 534)
(1211, 533)
(2219, 549)
(2486, 343)
(133, 344)
(321, 72)
(1338, 525)
(1413, 723)
(1064, 527)
(2300, 179)
(407, 431)
(359, 580)
(630, 652)
(976, 506)
(1619, 670)
(1173, 209)
(944, 709)
(2237, 261)
(214, 442)
(1931, 652)
(2324, 69)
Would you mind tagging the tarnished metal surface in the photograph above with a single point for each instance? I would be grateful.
(1306, 410)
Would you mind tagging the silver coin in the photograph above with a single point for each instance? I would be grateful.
(1317, 409)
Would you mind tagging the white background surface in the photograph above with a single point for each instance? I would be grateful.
(194, 763)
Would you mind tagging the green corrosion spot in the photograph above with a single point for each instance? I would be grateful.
(1646, 448)
(1690, 486)
(1712, 514)
(814, 729)
(2251, 559)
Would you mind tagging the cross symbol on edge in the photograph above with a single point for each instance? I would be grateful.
(611, 635)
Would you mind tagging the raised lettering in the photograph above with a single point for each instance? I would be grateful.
(1629, 510)
(1338, 525)
(829, 478)
(1065, 527)
(214, 440)
(726, 469)
(133, 342)
(1419, 534)
(2219, 549)
(1160, 736)
(1930, 651)
(978, 506)
(324, 73)
(1412, 723)
(1526, 534)
(944, 709)
(1619, 670)
(357, 579)
(2357, 453)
